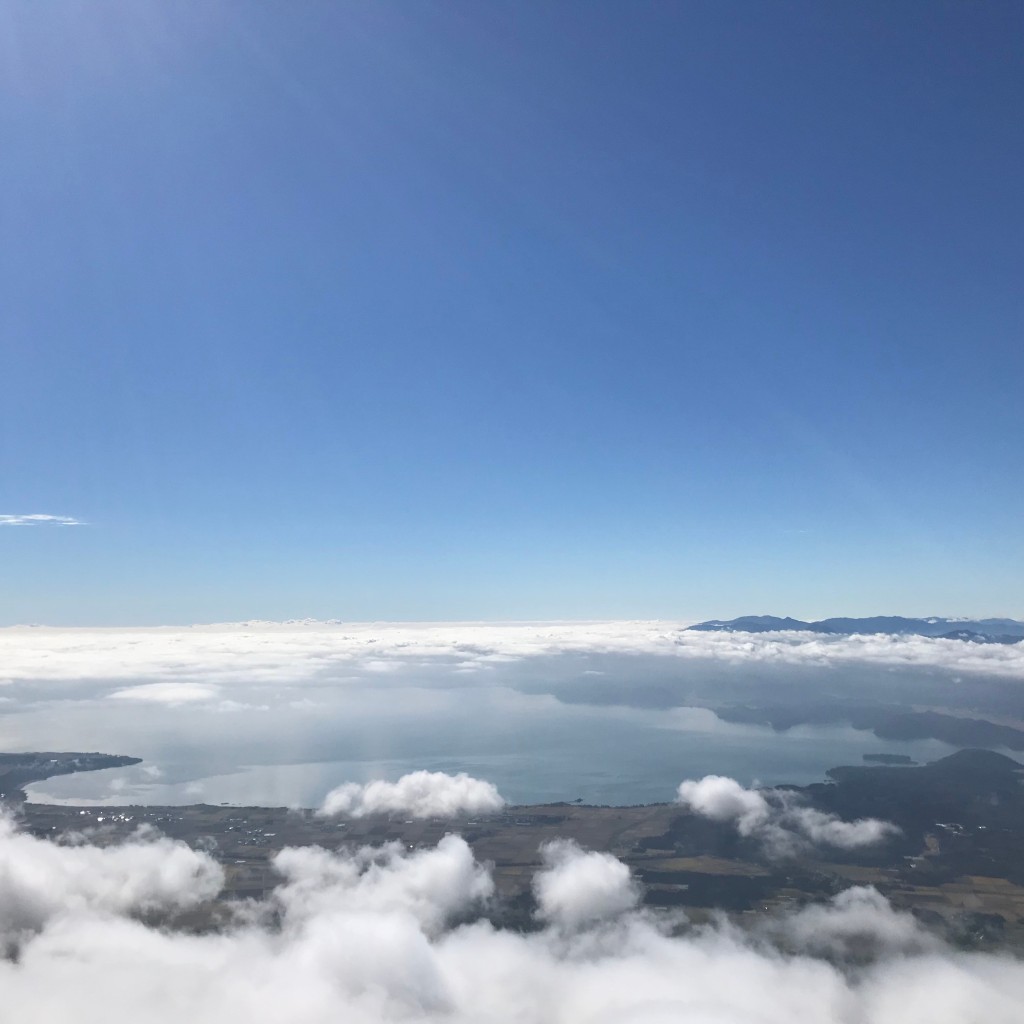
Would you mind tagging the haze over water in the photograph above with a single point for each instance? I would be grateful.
(614, 760)
(613, 713)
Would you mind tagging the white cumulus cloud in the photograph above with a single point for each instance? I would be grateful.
(380, 937)
(778, 818)
(40, 880)
(577, 887)
(419, 794)
(723, 799)
(857, 921)
(432, 885)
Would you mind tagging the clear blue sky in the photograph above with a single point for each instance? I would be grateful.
(511, 310)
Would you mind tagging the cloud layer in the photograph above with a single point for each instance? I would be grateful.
(449, 697)
(299, 652)
(777, 817)
(373, 937)
(419, 794)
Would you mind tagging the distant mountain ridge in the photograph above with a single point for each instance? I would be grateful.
(980, 631)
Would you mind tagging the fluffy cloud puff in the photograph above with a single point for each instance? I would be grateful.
(372, 937)
(576, 888)
(777, 817)
(858, 923)
(419, 794)
(430, 885)
(40, 881)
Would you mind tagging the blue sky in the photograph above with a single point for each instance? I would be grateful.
(475, 311)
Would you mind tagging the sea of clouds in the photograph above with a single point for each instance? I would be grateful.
(395, 935)
(202, 663)
(220, 702)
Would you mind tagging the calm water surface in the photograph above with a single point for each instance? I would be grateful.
(608, 755)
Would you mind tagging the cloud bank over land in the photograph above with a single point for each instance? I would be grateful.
(374, 937)
(777, 818)
(39, 519)
(419, 794)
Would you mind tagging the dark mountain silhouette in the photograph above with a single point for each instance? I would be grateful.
(983, 631)
(967, 769)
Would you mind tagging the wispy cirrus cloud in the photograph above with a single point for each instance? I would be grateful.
(39, 519)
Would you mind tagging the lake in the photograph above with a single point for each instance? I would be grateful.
(610, 713)
(605, 756)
